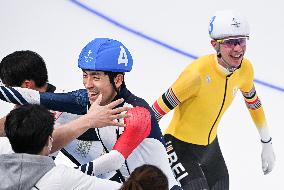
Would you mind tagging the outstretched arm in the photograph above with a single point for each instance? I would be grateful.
(256, 111)
(73, 102)
(167, 102)
(138, 127)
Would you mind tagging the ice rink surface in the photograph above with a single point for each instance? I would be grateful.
(163, 37)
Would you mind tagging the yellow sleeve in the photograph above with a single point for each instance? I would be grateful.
(186, 86)
(258, 117)
(252, 101)
(248, 76)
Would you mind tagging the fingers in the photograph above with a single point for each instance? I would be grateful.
(119, 110)
(119, 116)
(99, 99)
(115, 103)
(265, 167)
(111, 114)
(267, 170)
(96, 103)
(115, 123)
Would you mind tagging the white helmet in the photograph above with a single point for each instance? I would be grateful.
(228, 23)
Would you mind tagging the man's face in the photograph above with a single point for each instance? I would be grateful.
(233, 50)
(96, 83)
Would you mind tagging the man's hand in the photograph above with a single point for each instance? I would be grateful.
(267, 157)
(101, 116)
(97, 116)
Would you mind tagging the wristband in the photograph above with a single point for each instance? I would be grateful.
(266, 141)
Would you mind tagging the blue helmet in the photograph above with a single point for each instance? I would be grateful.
(104, 54)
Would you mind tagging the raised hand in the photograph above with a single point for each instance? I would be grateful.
(108, 115)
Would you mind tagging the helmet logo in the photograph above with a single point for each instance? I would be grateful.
(210, 29)
(235, 23)
(88, 57)
(122, 59)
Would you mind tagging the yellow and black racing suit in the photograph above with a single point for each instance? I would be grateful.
(199, 97)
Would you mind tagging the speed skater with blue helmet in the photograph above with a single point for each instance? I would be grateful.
(103, 62)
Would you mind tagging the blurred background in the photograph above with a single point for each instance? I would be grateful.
(163, 37)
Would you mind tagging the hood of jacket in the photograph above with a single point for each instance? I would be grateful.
(23, 171)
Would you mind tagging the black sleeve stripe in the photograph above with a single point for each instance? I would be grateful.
(2, 97)
(165, 100)
(10, 96)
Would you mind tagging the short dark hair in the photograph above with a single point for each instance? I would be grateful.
(111, 75)
(28, 128)
(19, 66)
(146, 177)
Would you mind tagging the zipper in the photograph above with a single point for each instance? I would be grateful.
(224, 98)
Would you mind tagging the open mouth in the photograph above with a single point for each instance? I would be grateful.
(236, 57)
(93, 96)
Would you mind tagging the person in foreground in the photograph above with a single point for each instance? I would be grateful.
(27, 69)
(199, 98)
(29, 129)
(104, 62)
(146, 177)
